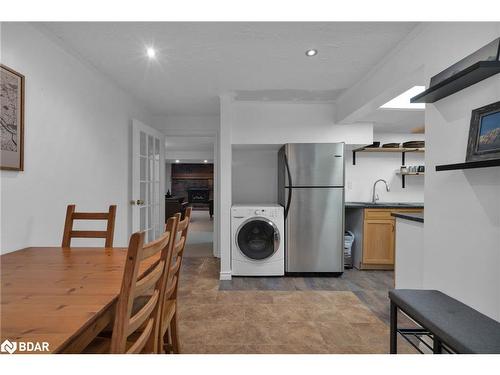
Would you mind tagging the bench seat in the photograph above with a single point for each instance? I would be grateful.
(462, 328)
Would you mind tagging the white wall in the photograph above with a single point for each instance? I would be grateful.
(279, 123)
(370, 167)
(77, 136)
(268, 123)
(255, 174)
(462, 208)
(224, 192)
(462, 215)
(408, 264)
(255, 170)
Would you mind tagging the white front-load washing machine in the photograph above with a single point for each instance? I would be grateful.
(257, 246)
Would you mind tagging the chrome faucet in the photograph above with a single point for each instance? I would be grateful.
(375, 195)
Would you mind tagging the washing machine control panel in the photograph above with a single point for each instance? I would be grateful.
(264, 212)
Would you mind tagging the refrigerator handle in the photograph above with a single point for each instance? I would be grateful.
(289, 200)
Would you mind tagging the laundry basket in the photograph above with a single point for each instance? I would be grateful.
(348, 241)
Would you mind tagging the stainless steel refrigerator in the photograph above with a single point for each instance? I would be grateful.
(311, 189)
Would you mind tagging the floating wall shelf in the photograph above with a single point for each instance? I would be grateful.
(403, 151)
(465, 78)
(403, 176)
(469, 165)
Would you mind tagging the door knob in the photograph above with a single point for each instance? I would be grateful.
(138, 202)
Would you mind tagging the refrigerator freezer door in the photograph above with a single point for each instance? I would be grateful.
(315, 230)
(315, 164)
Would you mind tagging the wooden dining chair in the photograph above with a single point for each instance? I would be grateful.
(72, 215)
(169, 332)
(135, 330)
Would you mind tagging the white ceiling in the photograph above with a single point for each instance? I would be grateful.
(197, 62)
(396, 120)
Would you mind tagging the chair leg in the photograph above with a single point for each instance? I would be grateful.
(174, 328)
(437, 348)
(166, 346)
(394, 329)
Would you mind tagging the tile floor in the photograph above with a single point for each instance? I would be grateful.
(328, 316)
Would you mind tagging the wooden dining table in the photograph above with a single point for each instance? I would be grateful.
(62, 296)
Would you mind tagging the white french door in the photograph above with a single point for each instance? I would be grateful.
(148, 180)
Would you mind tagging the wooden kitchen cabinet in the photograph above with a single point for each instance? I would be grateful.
(378, 248)
(378, 244)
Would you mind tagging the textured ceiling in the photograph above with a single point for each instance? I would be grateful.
(197, 61)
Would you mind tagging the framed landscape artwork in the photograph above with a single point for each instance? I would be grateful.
(484, 133)
(11, 119)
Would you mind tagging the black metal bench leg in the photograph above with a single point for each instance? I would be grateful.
(437, 347)
(394, 329)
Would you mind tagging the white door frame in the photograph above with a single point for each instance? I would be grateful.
(215, 136)
(137, 127)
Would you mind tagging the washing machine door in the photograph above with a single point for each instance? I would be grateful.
(258, 238)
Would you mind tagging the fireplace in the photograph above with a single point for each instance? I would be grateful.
(198, 195)
(194, 183)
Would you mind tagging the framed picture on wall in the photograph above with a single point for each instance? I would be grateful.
(484, 133)
(11, 119)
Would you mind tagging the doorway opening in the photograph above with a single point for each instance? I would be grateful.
(189, 182)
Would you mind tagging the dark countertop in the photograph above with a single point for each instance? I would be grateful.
(418, 217)
(383, 205)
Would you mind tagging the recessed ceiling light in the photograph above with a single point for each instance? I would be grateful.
(205, 161)
(177, 161)
(311, 52)
(151, 52)
(403, 101)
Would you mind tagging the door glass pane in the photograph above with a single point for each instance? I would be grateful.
(149, 217)
(157, 170)
(143, 191)
(143, 168)
(157, 194)
(148, 193)
(151, 169)
(157, 149)
(142, 214)
(155, 222)
(159, 226)
(150, 146)
(142, 142)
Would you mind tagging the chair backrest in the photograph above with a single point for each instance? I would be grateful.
(72, 215)
(137, 332)
(177, 254)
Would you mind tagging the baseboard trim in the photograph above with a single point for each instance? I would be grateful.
(225, 275)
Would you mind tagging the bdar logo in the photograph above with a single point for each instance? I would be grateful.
(8, 347)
